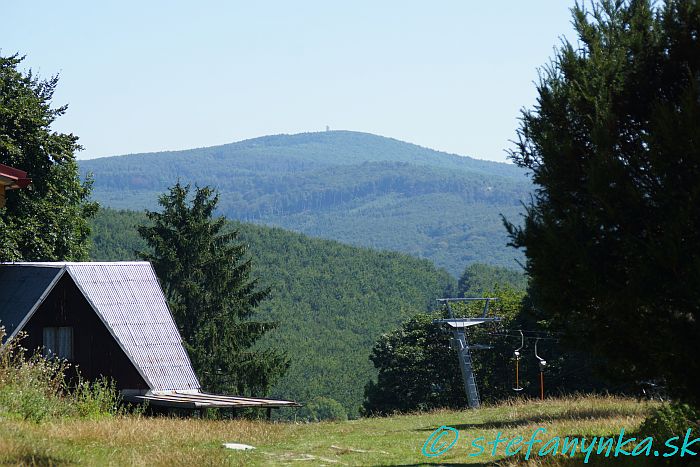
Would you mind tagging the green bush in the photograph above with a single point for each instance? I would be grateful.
(671, 420)
(34, 388)
(95, 399)
(323, 408)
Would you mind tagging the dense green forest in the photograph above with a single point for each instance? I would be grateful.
(357, 188)
(332, 301)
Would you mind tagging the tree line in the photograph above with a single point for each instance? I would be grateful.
(610, 234)
(331, 301)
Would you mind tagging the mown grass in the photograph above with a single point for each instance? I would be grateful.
(397, 440)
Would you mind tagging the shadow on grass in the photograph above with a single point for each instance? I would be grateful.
(446, 464)
(38, 460)
(597, 460)
(568, 415)
(564, 461)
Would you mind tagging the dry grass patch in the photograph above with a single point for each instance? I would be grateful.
(132, 440)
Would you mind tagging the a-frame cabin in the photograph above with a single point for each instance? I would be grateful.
(110, 320)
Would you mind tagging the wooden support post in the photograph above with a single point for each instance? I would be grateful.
(542, 385)
(269, 413)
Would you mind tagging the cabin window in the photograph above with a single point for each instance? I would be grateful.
(58, 342)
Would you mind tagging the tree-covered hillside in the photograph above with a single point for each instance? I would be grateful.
(332, 301)
(358, 188)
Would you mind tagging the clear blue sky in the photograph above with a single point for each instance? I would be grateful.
(148, 76)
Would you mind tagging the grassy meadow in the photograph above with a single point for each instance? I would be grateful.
(397, 440)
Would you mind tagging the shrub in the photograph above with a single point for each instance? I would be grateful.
(671, 420)
(95, 399)
(323, 408)
(34, 388)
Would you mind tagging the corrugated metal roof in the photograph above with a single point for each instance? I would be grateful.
(22, 288)
(128, 298)
(194, 400)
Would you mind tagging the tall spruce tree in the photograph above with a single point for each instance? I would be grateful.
(206, 276)
(612, 237)
(50, 221)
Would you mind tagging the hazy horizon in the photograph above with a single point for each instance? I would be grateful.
(292, 134)
(148, 77)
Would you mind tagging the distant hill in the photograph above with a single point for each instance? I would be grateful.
(358, 188)
(332, 301)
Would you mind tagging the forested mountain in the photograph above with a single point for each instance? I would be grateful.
(358, 188)
(331, 301)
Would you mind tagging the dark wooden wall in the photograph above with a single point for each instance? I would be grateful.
(95, 351)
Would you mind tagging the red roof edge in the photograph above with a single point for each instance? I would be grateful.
(18, 176)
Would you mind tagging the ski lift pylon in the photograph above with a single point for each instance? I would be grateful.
(458, 327)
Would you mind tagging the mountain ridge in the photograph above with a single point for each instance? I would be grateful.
(265, 141)
(358, 188)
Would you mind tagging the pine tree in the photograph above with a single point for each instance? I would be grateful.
(206, 275)
(613, 232)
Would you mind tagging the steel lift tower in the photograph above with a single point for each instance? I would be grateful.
(458, 327)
